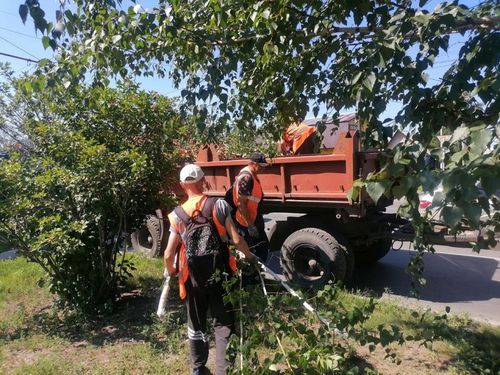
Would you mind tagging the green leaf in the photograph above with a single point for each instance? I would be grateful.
(397, 17)
(428, 180)
(376, 189)
(438, 199)
(52, 44)
(473, 213)
(116, 38)
(353, 194)
(23, 12)
(38, 16)
(369, 81)
(423, 19)
(452, 215)
(457, 156)
(356, 78)
(399, 191)
(480, 140)
(490, 183)
(459, 134)
(46, 42)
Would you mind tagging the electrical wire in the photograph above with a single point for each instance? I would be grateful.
(9, 14)
(20, 33)
(18, 57)
(22, 49)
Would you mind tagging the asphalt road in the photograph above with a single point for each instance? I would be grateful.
(458, 278)
(466, 282)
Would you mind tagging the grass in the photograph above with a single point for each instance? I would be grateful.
(37, 339)
(460, 345)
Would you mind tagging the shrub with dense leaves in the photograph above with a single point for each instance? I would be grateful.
(100, 157)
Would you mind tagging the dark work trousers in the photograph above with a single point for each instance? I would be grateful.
(199, 301)
(259, 246)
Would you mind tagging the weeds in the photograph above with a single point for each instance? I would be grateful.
(279, 336)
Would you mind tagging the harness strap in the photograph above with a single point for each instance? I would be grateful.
(208, 205)
(182, 214)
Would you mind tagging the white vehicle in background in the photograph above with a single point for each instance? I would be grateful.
(426, 200)
(430, 205)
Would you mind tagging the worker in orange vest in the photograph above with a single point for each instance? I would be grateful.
(247, 198)
(299, 139)
(201, 297)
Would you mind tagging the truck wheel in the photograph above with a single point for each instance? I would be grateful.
(310, 257)
(147, 240)
(366, 255)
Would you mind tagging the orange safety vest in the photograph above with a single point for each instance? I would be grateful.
(298, 134)
(253, 200)
(182, 262)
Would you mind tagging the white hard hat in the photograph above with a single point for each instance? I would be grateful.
(191, 173)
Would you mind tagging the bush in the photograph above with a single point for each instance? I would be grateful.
(98, 162)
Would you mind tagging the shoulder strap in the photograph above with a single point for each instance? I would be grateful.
(208, 207)
(181, 214)
(206, 211)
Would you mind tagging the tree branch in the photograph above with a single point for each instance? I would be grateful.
(487, 22)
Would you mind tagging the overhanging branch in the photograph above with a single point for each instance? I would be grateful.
(487, 22)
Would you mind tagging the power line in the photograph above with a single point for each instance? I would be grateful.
(20, 33)
(10, 14)
(18, 57)
(12, 44)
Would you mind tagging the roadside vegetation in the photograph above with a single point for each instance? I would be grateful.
(92, 169)
(37, 338)
(96, 151)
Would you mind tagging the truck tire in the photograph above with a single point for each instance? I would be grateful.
(310, 257)
(366, 255)
(147, 239)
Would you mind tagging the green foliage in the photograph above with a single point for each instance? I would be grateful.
(241, 143)
(273, 61)
(279, 336)
(97, 165)
(133, 340)
(10, 108)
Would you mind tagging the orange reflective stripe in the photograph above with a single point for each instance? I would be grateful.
(221, 229)
(182, 291)
(232, 263)
(183, 272)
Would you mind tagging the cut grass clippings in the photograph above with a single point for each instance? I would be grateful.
(35, 338)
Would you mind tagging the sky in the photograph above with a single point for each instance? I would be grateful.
(21, 40)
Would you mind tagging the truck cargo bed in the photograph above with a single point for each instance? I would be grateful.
(300, 183)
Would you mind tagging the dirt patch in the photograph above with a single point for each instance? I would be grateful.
(415, 359)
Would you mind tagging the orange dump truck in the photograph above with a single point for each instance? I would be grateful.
(320, 234)
(326, 234)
